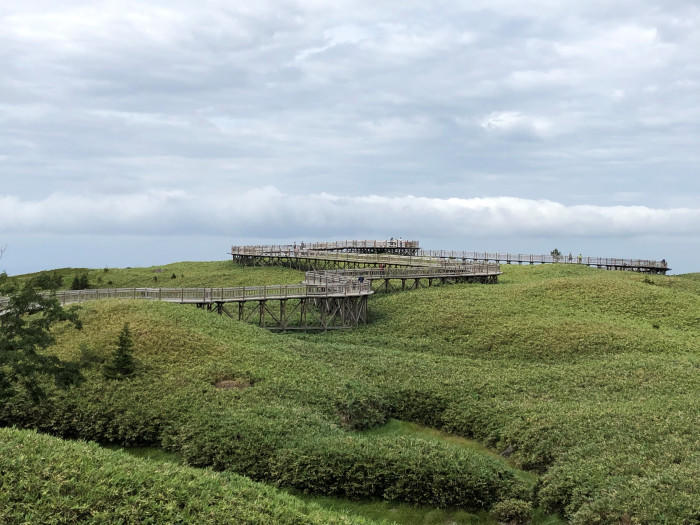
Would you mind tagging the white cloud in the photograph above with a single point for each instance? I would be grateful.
(616, 50)
(514, 123)
(266, 209)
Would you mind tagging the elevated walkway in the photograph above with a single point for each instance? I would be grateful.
(353, 254)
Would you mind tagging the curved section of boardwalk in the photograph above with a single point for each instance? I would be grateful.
(379, 266)
(319, 251)
(327, 305)
(340, 278)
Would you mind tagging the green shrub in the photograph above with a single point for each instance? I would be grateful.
(423, 405)
(80, 282)
(359, 408)
(47, 281)
(399, 469)
(89, 357)
(513, 511)
(46, 480)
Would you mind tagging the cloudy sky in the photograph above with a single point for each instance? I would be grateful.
(137, 132)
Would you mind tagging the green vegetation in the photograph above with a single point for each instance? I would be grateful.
(394, 427)
(23, 337)
(401, 513)
(122, 364)
(175, 275)
(80, 282)
(47, 281)
(47, 480)
(587, 379)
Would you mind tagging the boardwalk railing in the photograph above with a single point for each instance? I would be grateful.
(364, 258)
(209, 295)
(439, 257)
(323, 246)
(337, 276)
(608, 262)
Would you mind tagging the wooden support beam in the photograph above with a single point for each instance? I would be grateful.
(283, 314)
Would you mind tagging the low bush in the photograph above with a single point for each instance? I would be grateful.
(360, 408)
(80, 282)
(513, 511)
(400, 469)
(47, 281)
(46, 480)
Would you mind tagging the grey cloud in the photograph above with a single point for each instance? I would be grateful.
(562, 101)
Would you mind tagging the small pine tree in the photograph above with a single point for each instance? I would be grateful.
(122, 363)
(80, 282)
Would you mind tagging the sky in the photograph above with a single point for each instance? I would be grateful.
(140, 133)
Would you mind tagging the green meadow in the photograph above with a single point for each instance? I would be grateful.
(561, 394)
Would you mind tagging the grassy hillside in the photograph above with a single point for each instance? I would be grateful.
(47, 480)
(588, 379)
(175, 275)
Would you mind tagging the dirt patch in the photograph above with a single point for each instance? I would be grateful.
(233, 384)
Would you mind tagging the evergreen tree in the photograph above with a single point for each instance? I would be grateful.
(80, 282)
(122, 363)
(25, 330)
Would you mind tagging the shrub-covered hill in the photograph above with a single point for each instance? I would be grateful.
(589, 378)
(47, 480)
(174, 275)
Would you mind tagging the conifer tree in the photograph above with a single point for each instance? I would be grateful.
(25, 331)
(122, 363)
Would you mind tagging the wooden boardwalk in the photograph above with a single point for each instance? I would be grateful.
(319, 252)
(607, 263)
(401, 278)
(340, 278)
(320, 259)
(368, 264)
(302, 306)
(395, 246)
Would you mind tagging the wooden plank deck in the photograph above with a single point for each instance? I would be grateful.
(611, 263)
(375, 259)
(352, 245)
(214, 295)
(412, 272)
(419, 257)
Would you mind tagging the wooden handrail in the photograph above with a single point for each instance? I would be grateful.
(420, 257)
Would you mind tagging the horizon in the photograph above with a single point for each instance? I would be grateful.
(148, 260)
